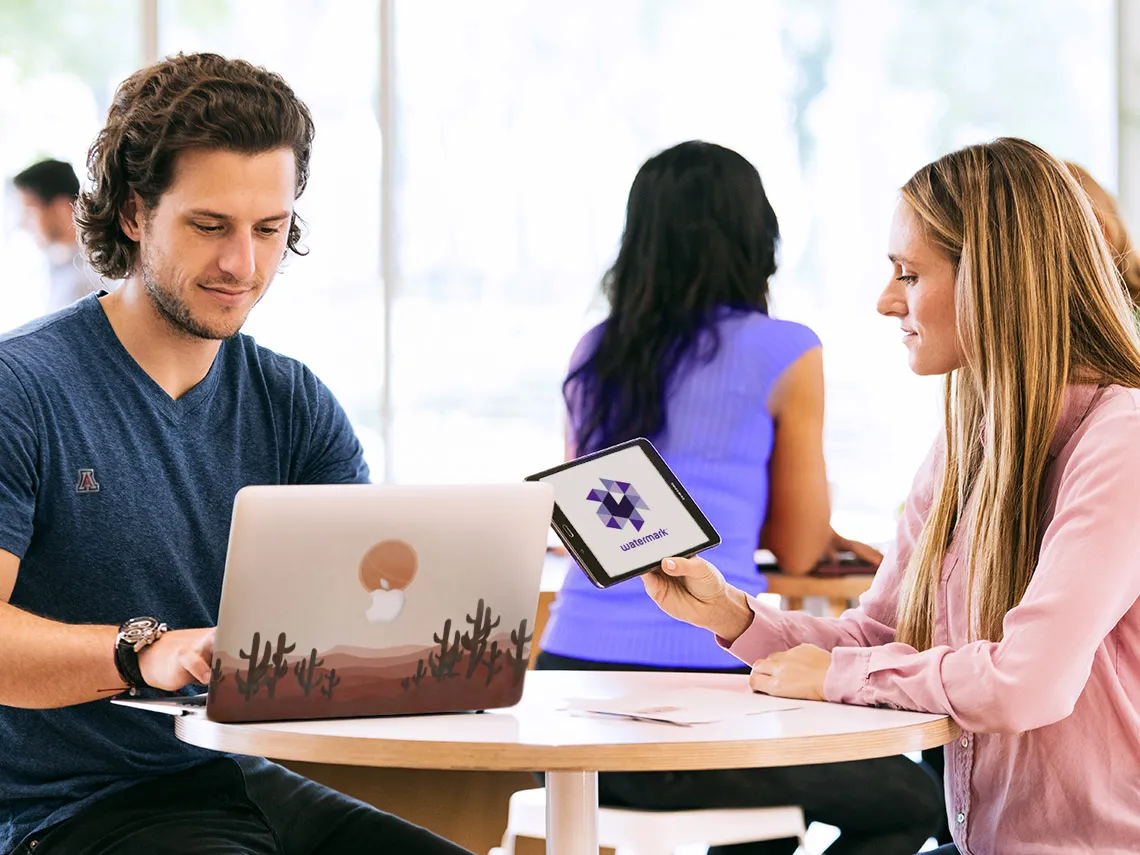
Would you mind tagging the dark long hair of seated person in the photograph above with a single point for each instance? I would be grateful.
(700, 237)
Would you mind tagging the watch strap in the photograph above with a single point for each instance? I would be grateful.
(127, 663)
(135, 635)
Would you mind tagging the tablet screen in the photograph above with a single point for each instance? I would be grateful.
(625, 510)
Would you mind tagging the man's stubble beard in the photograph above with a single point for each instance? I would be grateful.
(176, 312)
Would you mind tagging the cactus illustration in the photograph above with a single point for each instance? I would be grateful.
(415, 679)
(257, 671)
(493, 666)
(280, 664)
(307, 674)
(475, 641)
(216, 674)
(518, 658)
(331, 682)
(443, 662)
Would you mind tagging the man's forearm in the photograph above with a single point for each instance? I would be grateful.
(47, 664)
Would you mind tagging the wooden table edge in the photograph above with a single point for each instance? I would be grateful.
(850, 585)
(507, 757)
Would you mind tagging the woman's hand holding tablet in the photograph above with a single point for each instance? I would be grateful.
(694, 591)
(621, 510)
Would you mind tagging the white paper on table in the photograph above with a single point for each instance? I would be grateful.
(684, 706)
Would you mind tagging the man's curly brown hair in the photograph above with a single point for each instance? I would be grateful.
(195, 101)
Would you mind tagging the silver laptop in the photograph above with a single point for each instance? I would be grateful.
(364, 600)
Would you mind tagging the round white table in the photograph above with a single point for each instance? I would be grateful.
(540, 734)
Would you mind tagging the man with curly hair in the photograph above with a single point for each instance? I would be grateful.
(128, 421)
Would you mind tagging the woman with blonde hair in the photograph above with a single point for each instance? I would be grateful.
(1112, 226)
(1009, 600)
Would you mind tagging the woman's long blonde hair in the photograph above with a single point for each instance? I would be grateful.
(1040, 304)
(1112, 224)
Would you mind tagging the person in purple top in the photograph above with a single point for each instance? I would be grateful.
(733, 400)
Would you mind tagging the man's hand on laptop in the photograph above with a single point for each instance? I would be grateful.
(180, 657)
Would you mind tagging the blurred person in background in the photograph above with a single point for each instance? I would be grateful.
(733, 400)
(48, 190)
(1112, 225)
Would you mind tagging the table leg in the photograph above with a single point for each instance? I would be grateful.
(572, 813)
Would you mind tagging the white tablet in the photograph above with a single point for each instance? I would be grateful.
(621, 510)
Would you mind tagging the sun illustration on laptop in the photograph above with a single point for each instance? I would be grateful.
(385, 572)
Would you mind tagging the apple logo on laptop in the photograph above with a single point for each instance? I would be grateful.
(385, 571)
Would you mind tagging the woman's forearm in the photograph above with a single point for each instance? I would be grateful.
(733, 617)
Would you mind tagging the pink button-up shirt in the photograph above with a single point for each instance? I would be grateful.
(1049, 758)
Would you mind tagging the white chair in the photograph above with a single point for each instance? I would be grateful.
(644, 832)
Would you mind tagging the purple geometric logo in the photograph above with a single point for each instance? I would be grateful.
(619, 504)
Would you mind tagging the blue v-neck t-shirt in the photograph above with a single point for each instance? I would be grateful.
(117, 500)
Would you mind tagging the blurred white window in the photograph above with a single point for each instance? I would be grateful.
(516, 130)
(59, 65)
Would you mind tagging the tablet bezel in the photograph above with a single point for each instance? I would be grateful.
(576, 545)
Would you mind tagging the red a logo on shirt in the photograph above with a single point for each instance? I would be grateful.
(87, 482)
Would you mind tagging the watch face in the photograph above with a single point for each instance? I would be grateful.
(138, 629)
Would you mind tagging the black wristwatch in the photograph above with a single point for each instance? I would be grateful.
(134, 635)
